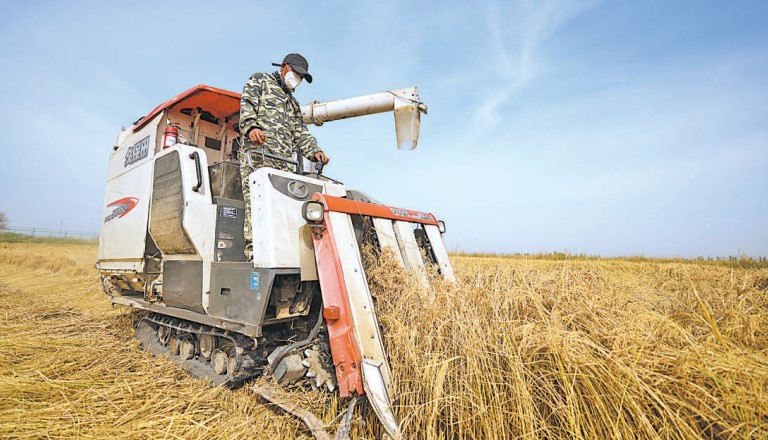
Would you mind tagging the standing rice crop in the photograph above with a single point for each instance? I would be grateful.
(515, 349)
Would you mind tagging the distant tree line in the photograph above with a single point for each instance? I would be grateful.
(3, 221)
(743, 261)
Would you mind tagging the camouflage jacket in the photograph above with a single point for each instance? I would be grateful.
(269, 105)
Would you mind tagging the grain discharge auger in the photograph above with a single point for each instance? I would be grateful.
(172, 244)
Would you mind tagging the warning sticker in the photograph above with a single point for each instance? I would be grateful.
(228, 212)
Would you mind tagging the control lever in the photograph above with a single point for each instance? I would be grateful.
(319, 167)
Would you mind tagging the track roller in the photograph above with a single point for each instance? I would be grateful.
(187, 350)
(173, 345)
(220, 361)
(207, 345)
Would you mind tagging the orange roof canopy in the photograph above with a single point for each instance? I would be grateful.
(219, 102)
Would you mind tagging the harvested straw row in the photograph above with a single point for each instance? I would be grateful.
(71, 368)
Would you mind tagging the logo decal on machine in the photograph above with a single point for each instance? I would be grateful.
(122, 207)
(298, 189)
(412, 214)
(138, 151)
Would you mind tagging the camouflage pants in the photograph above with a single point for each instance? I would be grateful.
(245, 172)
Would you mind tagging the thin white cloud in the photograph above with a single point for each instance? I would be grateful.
(516, 36)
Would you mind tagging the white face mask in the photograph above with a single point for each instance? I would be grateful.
(292, 80)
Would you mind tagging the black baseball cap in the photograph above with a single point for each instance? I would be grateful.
(298, 63)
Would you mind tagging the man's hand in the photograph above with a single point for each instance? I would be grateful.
(257, 136)
(321, 157)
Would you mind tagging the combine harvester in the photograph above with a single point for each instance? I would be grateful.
(172, 244)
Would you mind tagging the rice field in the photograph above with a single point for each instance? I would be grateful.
(517, 348)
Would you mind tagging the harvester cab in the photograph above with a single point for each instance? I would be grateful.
(172, 244)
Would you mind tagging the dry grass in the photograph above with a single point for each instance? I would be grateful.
(516, 349)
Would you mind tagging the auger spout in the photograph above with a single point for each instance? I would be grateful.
(405, 103)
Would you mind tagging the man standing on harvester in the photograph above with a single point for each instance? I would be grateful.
(270, 118)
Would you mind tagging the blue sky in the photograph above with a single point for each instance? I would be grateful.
(612, 128)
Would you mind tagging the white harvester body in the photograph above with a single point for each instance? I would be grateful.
(172, 243)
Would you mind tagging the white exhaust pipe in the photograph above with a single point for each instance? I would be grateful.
(405, 103)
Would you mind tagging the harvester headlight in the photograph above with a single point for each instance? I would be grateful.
(313, 212)
(441, 226)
